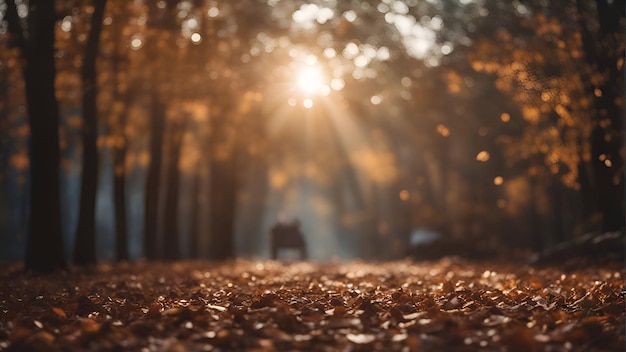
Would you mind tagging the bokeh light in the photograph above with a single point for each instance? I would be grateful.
(483, 156)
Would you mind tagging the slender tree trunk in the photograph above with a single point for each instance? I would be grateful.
(194, 219)
(589, 198)
(223, 187)
(223, 196)
(253, 225)
(119, 201)
(119, 182)
(85, 242)
(120, 147)
(153, 179)
(171, 241)
(119, 188)
(536, 221)
(44, 246)
(558, 209)
(163, 21)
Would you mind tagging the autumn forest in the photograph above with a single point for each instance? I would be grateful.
(187, 128)
(358, 175)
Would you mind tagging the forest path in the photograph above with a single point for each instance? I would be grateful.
(450, 304)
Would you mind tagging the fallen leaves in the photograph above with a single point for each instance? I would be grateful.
(361, 338)
(245, 305)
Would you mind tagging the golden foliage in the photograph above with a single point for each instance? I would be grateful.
(551, 90)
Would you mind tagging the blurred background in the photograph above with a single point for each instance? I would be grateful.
(484, 126)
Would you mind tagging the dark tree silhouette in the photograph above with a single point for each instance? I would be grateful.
(119, 181)
(125, 95)
(119, 203)
(603, 51)
(171, 246)
(85, 242)
(194, 216)
(162, 21)
(153, 179)
(223, 199)
(44, 247)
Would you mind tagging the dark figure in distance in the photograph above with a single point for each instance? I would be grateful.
(288, 236)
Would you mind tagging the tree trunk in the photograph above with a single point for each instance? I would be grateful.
(44, 246)
(119, 201)
(120, 147)
(589, 198)
(153, 179)
(194, 220)
(171, 241)
(223, 196)
(85, 242)
(119, 189)
(119, 181)
(535, 238)
(558, 209)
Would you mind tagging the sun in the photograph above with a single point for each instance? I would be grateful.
(310, 79)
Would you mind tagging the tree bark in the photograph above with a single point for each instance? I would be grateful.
(120, 150)
(223, 196)
(85, 241)
(44, 245)
(194, 220)
(252, 222)
(119, 201)
(153, 179)
(119, 188)
(171, 241)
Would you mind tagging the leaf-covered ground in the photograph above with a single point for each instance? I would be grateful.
(449, 305)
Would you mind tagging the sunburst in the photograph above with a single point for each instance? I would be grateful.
(310, 80)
